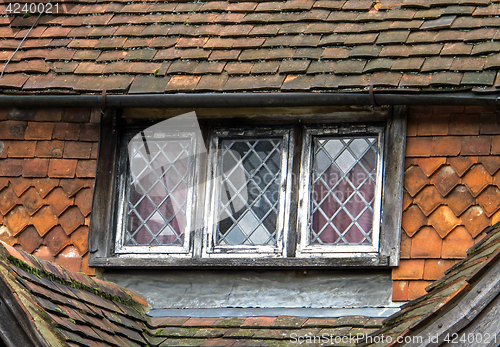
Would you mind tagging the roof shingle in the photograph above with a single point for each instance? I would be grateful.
(71, 50)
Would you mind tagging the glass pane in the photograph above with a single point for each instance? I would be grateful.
(249, 192)
(343, 190)
(158, 186)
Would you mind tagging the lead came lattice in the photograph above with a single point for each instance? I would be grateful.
(158, 192)
(344, 176)
(248, 210)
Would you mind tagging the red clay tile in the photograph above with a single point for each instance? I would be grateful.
(4, 182)
(212, 82)
(35, 167)
(413, 220)
(418, 146)
(199, 322)
(409, 270)
(456, 244)
(21, 149)
(258, 322)
(489, 200)
(495, 145)
(84, 201)
(71, 219)
(443, 220)
(491, 163)
(11, 167)
(59, 201)
(429, 165)
(43, 252)
(417, 288)
(475, 220)
(476, 145)
(51, 149)
(182, 83)
(73, 186)
(434, 268)
(44, 220)
(12, 130)
(79, 239)
(405, 249)
(30, 240)
(433, 124)
(56, 240)
(400, 291)
(461, 164)
(8, 200)
(85, 268)
(476, 179)
(86, 168)
(415, 80)
(407, 200)
(17, 220)
(428, 199)
(20, 185)
(446, 145)
(45, 185)
(70, 259)
(414, 180)
(32, 201)
(445, 179)
(77, 150)
(66, 131)
(62, 168)
(459, 200)
(426, 243)
(39, 131)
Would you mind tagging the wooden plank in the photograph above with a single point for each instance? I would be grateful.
(101, 223)
(392, 193)
(452, 320)
(483, 331)
(148, 262)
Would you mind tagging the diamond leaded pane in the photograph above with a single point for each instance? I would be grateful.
(156, 213)
(344, 176)
(249, 192)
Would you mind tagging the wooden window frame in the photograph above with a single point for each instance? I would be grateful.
(106, 214)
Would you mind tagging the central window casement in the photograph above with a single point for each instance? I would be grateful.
(255, 195)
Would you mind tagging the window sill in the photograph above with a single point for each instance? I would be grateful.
(142, 262)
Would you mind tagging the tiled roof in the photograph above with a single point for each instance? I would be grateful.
(229, 46)
(442, 294)
(67, 308)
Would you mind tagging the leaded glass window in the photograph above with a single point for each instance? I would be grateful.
(247, 196)
(159, 197)
(344, 177)
(342, 181)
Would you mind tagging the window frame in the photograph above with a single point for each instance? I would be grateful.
(105, 215)
(304, 249)
(210, 250)
(123, 194)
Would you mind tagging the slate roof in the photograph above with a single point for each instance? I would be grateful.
(65, 308)
(443, 294)
(277, 46)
